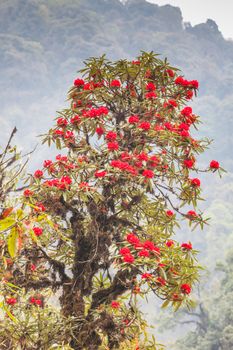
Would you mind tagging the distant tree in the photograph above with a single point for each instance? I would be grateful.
(100, 218)
(213, 318)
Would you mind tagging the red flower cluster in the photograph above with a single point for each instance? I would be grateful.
(169, 243)
(38, 231)
(115, 304)
(113, 146)
(195, 182)
(95, 112)
(35, 301)
(99, 130)
(62, 122)
(11, 301)
(123, 166)
(187, 83)
(79, 82)
(111, 136)
(115, 83)
(38, 174)
(161, 281)
(133, 119)
(188, 163)
(62, 184)
(144, 125)
(146, 276)
(28, 193)
(148, 173)
(192, 214)
(169, 213)
(100, 173)
(150, 87)
(150, 95)
(214, 164)
(185, 288)
(187, 246)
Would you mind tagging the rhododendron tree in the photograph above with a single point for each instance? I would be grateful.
(99, 218)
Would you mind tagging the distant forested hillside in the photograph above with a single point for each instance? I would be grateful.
(43, 42)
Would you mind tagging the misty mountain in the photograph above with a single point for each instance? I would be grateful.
(43, 44)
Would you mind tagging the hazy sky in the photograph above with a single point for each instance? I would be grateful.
(197, 11)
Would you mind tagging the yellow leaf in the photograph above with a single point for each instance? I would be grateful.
(12, 242)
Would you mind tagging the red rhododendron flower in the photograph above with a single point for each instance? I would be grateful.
(148, 173)
(146, 276)
(169, 243)
(144, 125)
(161, 281)
(32, 267)
(113, 146)
(124, 251)
(136, 63)
(69, 135)
(125, 156)
(132, 239)
(47, 163)
(28, 193)
(214, 164)
(79, 82)
(184, 133)
(154, 161)
(35, 301)
(115, 83)
(179, 80)
(62, 122)
(187, 111)
(188, 163)
(195, 182)
(150, 87)
(142, 156)
(111, 135)
(75, 119)
(189, 95)
(144, 253)
(185, 288)
(187, 246)
(99, 131)
(168, 126)
(66, 179)
(183, 126)
(115, 304)
(150, 95)
(133, 119)
(11, 301)
(40, 207)
(170, 72)
(38, 174)
(128, 258)
(100, 173)
(172, 103)
(61, 158)
(149, 245)
(38, 231)
(192, 214)
(58, 132)
(194, 84)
